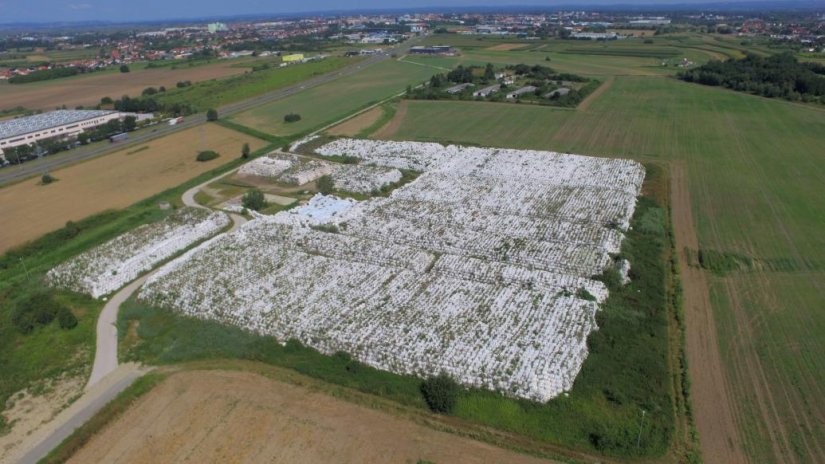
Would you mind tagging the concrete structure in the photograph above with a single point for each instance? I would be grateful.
(216, 27)
(654, 21)
(458, 88)
(433, 50)
(595, 35)
(521, 91)
(54, 124)
(487, 91)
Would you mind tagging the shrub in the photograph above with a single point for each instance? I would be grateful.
(440, 393)
(292, 117)
(325, 184)
(254, 200)
(124, 68)
(207, 155)
(47, 179)
(212, 114)
(66, 319)
(37, 309)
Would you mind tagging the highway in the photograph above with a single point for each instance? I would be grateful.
(51, 163)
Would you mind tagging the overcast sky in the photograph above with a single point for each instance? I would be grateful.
(138, 10)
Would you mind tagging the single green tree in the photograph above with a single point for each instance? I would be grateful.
(207, 155)
(211, 114)
(124, 68)
(489, 72)
(325, 184)
(129, 123)
(254, 199)
(47, 179)
(245, 151)
(66, 319)
(440, 393)
(292, 117)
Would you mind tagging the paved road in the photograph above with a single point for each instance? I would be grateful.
(50, 435)
(106, 349)
(52, 163)
(108, 378)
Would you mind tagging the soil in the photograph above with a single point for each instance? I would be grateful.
(27, 412)
(351, 127)
(112, 181)
(230, 416)
(388, 131)
(506, 47)
(87, 90)
(710, 393)
(595, 94)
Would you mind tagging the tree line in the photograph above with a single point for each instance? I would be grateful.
(775, 76)
(44, 75)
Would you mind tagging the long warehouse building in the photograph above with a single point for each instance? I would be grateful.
(61, 123)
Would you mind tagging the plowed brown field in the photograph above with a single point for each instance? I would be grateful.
(112, 181)
(228, 416)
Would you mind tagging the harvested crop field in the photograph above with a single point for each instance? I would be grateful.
(112, 181)
(223, 416)
(89, 89)
(351, 127)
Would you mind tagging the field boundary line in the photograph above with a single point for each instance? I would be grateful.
(403, 60)
(712, 406)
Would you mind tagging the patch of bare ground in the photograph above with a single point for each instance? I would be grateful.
(231, 416)
(388, 131)
(595, 94)
(712, 405)
(351, 127)
(506, 47)
(29, 410)
(89, 89)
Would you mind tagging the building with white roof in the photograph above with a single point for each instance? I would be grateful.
(54, 124)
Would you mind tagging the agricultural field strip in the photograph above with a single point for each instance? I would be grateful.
(113, 264)
(497, 317)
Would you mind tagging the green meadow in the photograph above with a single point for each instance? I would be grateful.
(330, 102)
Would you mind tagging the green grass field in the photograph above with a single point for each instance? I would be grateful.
(330, 102)
(756, 175)
(218, 92)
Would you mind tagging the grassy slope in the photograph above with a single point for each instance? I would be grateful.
(755, 177)
(330, 102)
(49, 351)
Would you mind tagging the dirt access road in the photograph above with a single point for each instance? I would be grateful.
(231, 416)
(710, 394)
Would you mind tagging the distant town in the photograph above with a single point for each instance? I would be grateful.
(90, 51)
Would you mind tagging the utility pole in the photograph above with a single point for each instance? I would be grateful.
(28, 277)
(639, 438)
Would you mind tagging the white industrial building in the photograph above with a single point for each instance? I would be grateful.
(54, 124)
(524, 90)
